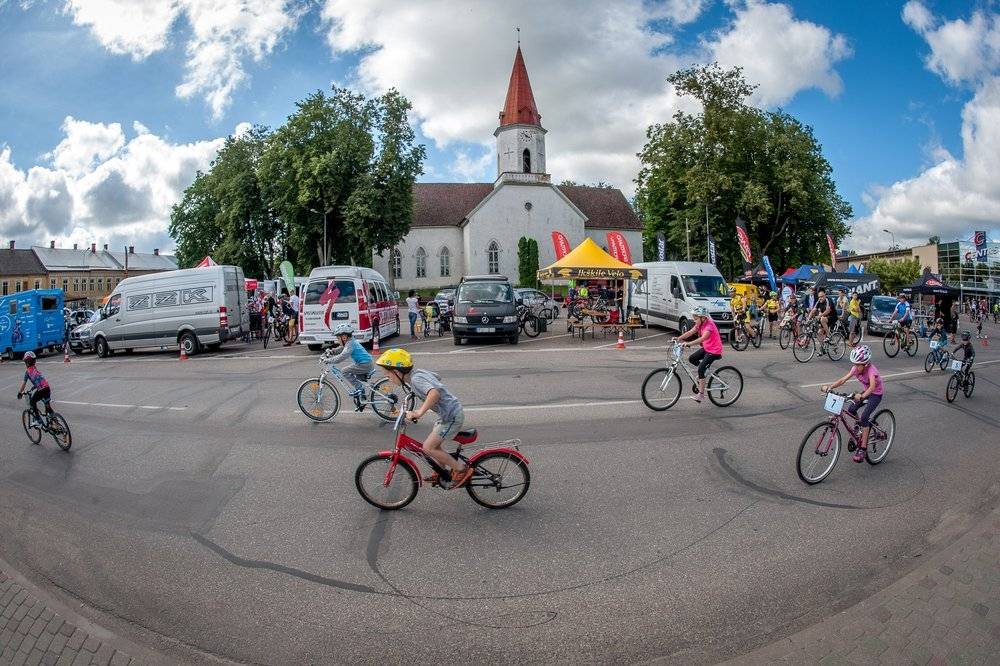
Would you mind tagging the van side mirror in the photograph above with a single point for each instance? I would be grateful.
(676, 291)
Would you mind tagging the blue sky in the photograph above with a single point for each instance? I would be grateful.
(884, 95)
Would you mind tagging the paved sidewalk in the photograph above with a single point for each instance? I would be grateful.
(37, 630)
(947, 611)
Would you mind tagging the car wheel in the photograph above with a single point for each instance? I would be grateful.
(189, 342)
(102, 348)
(513, 339)
(458, 340)
(683, 325)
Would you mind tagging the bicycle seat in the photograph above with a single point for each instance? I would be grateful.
(466, 436)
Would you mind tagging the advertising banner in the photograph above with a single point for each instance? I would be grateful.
(288, 275)
(981, 251)
(770, 273)
(561, 244)
(618, 247)
(743, 238)
(833, 250)
(661, 247)
(711, 251)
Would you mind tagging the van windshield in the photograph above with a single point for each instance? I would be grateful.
(321, 292)
(485, 292)
(883, 304)
(705, 286)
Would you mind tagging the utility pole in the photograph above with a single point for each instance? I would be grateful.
(324, 254)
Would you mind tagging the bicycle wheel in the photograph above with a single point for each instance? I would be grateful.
(319, 402)
(759, 337)
(738, 340)
(371, 481)
(784, 338)
(31, 430)
(725, 386)
(501, 479)
(930, 361)
(951, 391)
(804, 348)
(59, 430)
(970, 384)
(912, 345)
(818, 452)
(386, 402)
(880, 438)
(836, 347)
(531, 326)
(661, 390)
(890, 343)
(945, 359)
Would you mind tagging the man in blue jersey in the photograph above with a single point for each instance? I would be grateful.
(903, 313)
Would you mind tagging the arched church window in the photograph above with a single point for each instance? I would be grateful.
(421, 263)
(493, 257)
(445, 257)
(526, 159)
(396, 262)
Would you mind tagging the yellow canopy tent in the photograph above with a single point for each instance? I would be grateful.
(589, 262)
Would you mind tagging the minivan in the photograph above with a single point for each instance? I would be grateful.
(352, 295)
(485, 308)
(672, 289)
(880, 314)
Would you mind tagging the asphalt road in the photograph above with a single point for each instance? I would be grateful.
(199, 513)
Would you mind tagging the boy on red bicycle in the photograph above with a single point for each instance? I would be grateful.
(865, 372)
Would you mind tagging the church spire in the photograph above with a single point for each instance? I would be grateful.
(519, 108)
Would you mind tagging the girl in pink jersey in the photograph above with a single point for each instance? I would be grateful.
(711, 346)
(867, 374)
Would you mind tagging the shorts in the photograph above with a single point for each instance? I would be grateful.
(40, 395)
(703, 360)
(772, 316)
(448, 429)
(870, 403)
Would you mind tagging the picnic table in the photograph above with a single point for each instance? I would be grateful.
(575, 326)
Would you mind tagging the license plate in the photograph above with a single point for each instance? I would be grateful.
(340, 315)
(486, 329)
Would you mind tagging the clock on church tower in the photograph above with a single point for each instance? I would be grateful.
(520, 135)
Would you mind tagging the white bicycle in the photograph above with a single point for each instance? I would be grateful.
(662, 388)
(320, 400)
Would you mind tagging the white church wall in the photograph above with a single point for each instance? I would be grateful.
(432, 240)
(504, 218)
(633, 238)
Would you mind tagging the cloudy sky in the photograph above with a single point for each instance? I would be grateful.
(109, 107)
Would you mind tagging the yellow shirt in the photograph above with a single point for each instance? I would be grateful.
(772, 305)
(737, 303)
(854, 308)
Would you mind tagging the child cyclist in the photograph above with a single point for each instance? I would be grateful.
(865, 372)
(397, 364)
(711, 346)
(42, 392)
(361, 361)
(968, 351)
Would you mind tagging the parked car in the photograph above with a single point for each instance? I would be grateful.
(537, 300)
(880, 315)
(445, 298)
(80, 340)
(484, 308)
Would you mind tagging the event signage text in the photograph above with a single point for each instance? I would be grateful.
(561, 244)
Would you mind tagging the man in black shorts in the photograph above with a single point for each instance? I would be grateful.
(825, 311)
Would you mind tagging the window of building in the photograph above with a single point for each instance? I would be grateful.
(421, 263)
(38, 284)
(65, 284)
(445, 262)
(17, 286)
(396, 262)
(92, 284)
(493, 257)
(100, 284)
(3, 286)
(52, 283)
(526, 159)
(76, 284)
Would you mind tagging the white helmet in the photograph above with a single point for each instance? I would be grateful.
(699, 311)
(343, 329)
(862, 354)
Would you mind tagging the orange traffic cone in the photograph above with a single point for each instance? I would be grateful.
(375, 349)
(183, 356)
(621, 340)
(66, 352)
(986, 341)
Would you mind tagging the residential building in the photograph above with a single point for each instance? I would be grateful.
(20, 270)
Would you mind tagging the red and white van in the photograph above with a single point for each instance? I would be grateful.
(334, 295)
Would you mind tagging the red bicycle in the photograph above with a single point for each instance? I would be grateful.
(820, 447)
(391, 479)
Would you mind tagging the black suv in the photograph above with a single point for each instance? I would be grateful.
(485, 308)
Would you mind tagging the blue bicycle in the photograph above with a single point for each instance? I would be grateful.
(938, 356)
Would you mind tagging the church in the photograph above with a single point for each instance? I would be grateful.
(473, 228)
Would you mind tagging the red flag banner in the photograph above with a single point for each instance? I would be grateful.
(561, 245)
(833, 250)
(743, 238)
(619, 248)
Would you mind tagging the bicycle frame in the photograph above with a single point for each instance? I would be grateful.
(677, 354)
(841, 420)
(344, 382)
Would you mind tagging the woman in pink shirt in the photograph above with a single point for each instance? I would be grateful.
(711, 346)
(867, 374)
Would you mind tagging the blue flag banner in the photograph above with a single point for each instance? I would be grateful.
(981, 249)
(770, 273)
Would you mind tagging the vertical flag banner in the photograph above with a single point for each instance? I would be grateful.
(770, 273)
(619, 247)
(711, 251)
(979, 238)
(661, 246)
(833, 251)
(743, 238)
(288, 275)
(561, 244)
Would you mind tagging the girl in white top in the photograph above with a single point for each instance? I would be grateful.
(413, 303)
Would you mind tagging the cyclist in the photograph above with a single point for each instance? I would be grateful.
(711, 346)
(397, 364)
(968, 352)
(903, 313)
(853, 318)
(771, 306)
(827, 314)
(42, 391)
(938, 332)
(361, 361)
(865, 372)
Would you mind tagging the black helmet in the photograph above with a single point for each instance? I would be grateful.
(966, 336)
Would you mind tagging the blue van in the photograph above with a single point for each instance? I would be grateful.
(31, 321)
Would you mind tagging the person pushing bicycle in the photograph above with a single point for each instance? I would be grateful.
(865, 372)
(397, 365)
(361, 361)
(42, 391)
(711, 346)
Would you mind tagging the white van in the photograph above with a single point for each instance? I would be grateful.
(346, 294)
(193, 307)
(673, 288)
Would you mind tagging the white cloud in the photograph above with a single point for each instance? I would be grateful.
(469, 168)
(100, 186)
(956, 194)
(598, 71)
(780, 53)
(224, 34)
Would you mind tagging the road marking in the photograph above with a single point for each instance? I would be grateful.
(107, 404)
(900, 374)
(647, 337)
(564, 405)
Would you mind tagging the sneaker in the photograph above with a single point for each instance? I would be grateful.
(698, 397)
(859, 454)
(434, 479)
(459, 479)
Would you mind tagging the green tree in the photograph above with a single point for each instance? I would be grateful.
(894, 275)
(933, 240)
(527, 262)
(735, 160)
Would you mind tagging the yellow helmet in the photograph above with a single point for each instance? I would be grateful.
(395, 358)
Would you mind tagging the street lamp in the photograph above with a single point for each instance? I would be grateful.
(687, 230)
(893, 237)
(313, 210)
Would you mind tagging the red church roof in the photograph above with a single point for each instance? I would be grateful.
(519, 108)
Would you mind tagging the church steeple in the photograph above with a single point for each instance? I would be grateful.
(520, 135)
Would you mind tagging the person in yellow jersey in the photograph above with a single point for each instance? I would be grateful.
(772, 307)
(853, 320)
